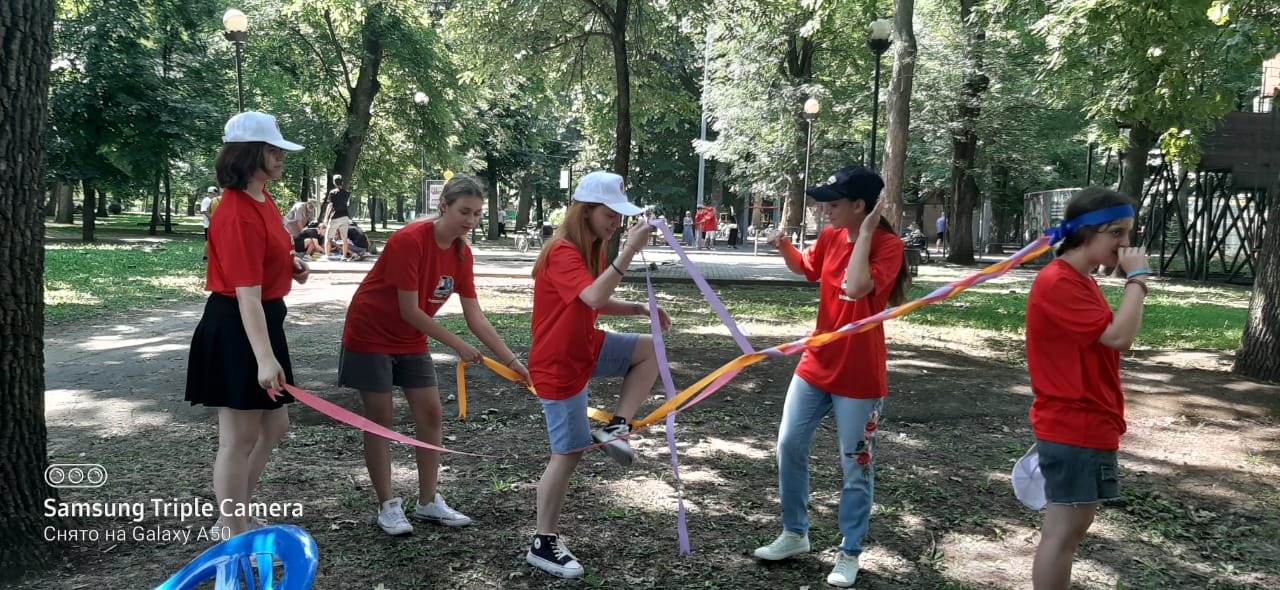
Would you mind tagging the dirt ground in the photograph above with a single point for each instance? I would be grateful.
(1198, 469)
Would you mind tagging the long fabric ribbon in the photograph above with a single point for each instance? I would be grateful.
(669, 386)
(711, 383)
(712, 299)
(714, 381)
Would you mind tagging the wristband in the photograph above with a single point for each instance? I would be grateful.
(1138, 273)
(616, 269)
(1140, 284)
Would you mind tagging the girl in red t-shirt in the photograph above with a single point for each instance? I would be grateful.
(1074, 343)
(384, 343)
(239, 350)
(860, 264)
(573, 285)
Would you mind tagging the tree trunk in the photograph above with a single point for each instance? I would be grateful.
(1259, 354)
(168, 203)
(798, 66)
(102, 205)
(27, 28)
(155, 207)
(526, 196)
(964, 144)
(66, 203)
(491, 176)
(347, 150)
(898, 116)
(622, 73)
(1134, 161)
(90, 205)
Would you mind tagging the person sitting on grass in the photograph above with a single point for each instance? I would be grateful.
(310, 241)
(384, 343)
(1074, 341)
(573, 285)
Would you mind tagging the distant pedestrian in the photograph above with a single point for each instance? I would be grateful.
(688, 229)
(339, 218)
(205, 215)
(941, 226)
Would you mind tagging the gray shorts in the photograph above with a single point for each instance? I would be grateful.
(372, 372)
(1076, 475)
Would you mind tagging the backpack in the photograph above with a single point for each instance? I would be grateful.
(213, 206)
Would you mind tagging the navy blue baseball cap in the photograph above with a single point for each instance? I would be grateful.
(856, 183)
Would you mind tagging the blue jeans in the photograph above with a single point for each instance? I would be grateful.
(856, 423)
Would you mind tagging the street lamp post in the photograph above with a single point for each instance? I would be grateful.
(878, 41)
(236, 30)
(811, 109)
(421, 99)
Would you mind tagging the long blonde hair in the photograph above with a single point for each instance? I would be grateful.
(576, 230)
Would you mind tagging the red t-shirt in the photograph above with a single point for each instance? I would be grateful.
(853, 366)
(249, 246)
(411, 261)
(707, 220)
(566, 341)
(1076, 379)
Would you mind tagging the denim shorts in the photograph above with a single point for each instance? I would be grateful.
(1076, 475)
(568, 427)
(372, 372)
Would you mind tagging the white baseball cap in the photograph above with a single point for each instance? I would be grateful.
(213, 189)
(1028, 482)
(252, 127)
(605, 188)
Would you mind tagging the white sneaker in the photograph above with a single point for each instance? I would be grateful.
(786, 545)
(440, 513)
(616, 447)
(845, 571)
(391, 519)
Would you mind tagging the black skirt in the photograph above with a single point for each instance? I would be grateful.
(221, 368)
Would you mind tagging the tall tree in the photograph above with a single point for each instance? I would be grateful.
(898, 135)
(27, 29)
(964, 140)
(1259, 354)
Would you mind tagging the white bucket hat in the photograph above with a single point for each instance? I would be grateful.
(605, 188)
(1028, 482)
(252, 127)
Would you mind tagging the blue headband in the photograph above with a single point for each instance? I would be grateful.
(1092, 218)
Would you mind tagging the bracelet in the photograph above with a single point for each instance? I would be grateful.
(1141, 284)
(616, 269)
(513, 359)
(1138, 273)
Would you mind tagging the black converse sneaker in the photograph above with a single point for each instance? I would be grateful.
(617, 447)
(550, 555)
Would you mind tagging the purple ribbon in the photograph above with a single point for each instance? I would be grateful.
(714, 300)
(660, 351)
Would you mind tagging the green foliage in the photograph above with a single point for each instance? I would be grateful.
(1173, 66)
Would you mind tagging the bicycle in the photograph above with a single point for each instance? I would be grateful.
(530, 236)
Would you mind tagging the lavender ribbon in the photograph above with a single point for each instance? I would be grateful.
(714, 300)
(660, 351)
